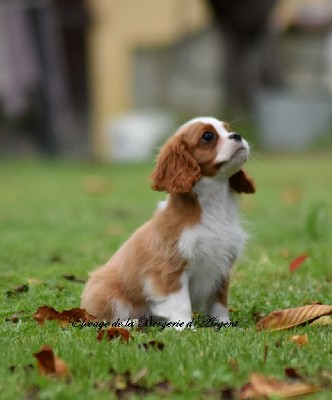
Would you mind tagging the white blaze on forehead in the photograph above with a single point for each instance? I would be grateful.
(218, 125)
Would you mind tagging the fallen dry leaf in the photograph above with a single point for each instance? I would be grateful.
(49, 364)
(45, 313)
(260, 386)
(113, 333)
(300, 340)
(284, 319)
(295, 264)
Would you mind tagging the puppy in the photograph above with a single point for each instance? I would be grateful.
(180, 260)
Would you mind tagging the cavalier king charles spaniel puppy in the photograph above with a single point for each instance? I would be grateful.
(180, 260)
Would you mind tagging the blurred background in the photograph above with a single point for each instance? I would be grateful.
(110, 80)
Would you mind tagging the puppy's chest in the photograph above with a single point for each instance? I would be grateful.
(213, 244)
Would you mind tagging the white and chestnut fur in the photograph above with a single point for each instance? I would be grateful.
(180, 260)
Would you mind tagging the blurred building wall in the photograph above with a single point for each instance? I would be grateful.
(118, 28)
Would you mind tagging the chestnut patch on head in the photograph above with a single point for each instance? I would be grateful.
(203, 143)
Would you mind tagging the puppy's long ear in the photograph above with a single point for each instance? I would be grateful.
(242, 183)
(176, 171)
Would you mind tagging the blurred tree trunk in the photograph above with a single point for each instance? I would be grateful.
(251, 58)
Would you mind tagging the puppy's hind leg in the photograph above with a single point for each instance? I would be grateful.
(96, 300)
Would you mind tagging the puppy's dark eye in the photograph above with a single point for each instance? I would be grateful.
(208, 136)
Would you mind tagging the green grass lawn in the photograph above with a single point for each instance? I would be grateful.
(59, 218)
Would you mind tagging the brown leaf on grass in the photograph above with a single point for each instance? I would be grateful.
(49, 364)
(295, 264)
(74, 278)
(112, 333)
(155, 344)
(17, 289)
(300, 340)
(45, 313)
(260, 386)
(288, 318)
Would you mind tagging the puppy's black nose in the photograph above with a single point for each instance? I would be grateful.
(235, 136)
